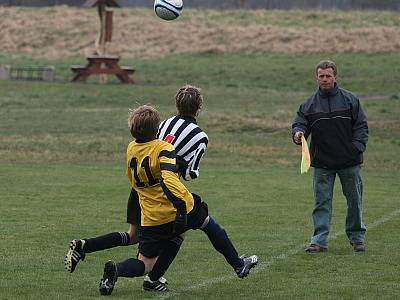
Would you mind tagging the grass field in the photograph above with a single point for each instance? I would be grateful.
(62, 177)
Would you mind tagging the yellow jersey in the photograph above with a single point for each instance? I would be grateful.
(152, 171)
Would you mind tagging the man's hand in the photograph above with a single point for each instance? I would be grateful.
(180, 223)
(297, 137)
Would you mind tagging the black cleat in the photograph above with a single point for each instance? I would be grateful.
(109, 279)
(74, 255)
(248, 264)
(159, 285)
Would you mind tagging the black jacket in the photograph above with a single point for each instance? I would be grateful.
(338, 128)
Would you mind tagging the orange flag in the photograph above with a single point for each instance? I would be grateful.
(305, 156)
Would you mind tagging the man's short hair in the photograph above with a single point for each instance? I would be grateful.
(143, 123)
(326, 64)
(188, 101)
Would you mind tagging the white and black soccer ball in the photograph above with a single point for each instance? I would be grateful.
(168, 9)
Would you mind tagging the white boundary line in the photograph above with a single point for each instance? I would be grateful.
(263, 265)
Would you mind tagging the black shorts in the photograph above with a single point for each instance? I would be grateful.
(198, 214)
(133, 211)
(152, 239)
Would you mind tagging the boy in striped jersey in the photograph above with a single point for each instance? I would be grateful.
(190, 143)
(168, 210)
(182, 132)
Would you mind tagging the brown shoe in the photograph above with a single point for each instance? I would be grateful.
(313, 248)
(358, 246)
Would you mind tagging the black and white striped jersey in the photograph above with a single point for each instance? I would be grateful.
(189, 140)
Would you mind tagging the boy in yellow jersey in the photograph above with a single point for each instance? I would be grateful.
(168, 209)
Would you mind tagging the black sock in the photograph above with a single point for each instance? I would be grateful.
(106, 241)
(221, 242)
(131, 267)
(166, 257)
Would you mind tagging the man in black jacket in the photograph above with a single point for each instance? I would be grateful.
(339, 133)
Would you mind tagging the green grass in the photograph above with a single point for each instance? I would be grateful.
(62, 176)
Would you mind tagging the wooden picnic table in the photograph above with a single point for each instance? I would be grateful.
(106, 64)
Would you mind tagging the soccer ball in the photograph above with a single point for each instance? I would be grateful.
(168, 9)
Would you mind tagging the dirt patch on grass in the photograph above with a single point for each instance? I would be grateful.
(70, 32)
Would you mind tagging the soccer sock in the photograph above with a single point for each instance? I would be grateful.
(166, 257)
(131, 267)
(221, 242)
(106, 241)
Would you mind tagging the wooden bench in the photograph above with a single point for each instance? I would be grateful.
(129, 70)
(102, 65)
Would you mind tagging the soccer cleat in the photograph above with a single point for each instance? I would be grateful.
(248, 263)
(109, 279)
(74, 255)
(159, 285)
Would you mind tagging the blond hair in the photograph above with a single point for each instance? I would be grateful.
(143, 123)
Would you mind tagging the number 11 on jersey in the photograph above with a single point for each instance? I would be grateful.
(147, 176)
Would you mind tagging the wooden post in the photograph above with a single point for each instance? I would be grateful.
(109, 25)
(101, 51)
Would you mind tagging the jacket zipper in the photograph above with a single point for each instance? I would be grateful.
(329, 105)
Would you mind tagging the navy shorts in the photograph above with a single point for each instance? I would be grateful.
(152, 239)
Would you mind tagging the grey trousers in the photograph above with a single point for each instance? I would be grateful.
(352, 188)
